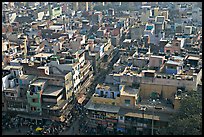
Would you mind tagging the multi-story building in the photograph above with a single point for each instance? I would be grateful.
(14, 89)
(123, 113)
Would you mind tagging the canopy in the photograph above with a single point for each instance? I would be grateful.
(38, 129)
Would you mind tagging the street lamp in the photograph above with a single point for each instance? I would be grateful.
(153, 101)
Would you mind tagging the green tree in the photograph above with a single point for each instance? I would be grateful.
(188, 120)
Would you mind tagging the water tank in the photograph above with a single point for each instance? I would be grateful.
(12, 83)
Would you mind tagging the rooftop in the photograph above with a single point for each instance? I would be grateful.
(27, 77)
(12, 67)
(39, 82)
(102, 107)
(193, 58)
(173, 62)
(40, 55)
(127, 41)
(52, 90)
(154, 56)
(128, 91)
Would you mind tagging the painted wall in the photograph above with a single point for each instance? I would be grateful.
(166, 90)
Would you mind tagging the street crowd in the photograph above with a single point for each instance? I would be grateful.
(44, 127)
(41, 127)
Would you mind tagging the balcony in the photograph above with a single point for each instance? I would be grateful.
(86, 65)
(12, 92)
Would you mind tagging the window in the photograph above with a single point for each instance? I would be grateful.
(121, 117)
(127, 102)
(33, 108)
(12, 94)
(31, 93)
(168, 51)
(38, 88)
(35, 100)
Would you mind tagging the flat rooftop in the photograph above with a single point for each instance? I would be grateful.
(127, 41)
(29, 77)
(128, 91)
(39, 82)
(173, 62)
(52, 90)
(102, 107)
(154, 56)
(12, 67)
(193, 58)
(40, 55)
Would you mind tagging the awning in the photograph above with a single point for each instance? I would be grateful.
(122, 129)
(38, 129)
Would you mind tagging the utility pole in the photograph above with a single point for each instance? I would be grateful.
(153, 117)
(153, 122)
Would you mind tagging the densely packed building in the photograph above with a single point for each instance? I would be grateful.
(52, 52)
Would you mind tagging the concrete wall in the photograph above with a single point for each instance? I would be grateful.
(68, 85)
(5, 81)
(136, 33)
(155, 62)
(166, 90)
(102, 100)
(132, 101)
(171, 82)
(30, 101)
(107, 92)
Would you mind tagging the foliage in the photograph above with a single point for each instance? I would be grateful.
(188, 120)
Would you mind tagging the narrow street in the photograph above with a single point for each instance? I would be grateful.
(73, 130)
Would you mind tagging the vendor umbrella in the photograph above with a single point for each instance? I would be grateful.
(38, 129)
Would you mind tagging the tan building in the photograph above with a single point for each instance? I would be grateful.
(156, 61)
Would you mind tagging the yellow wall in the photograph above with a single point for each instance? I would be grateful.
(123, 98)
(167, 91)
(102, 100)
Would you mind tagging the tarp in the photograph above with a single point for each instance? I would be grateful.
(120, 129)
(38, 129)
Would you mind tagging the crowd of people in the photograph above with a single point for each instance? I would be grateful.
(44, 127)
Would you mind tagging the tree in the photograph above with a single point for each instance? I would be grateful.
(188, 120)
